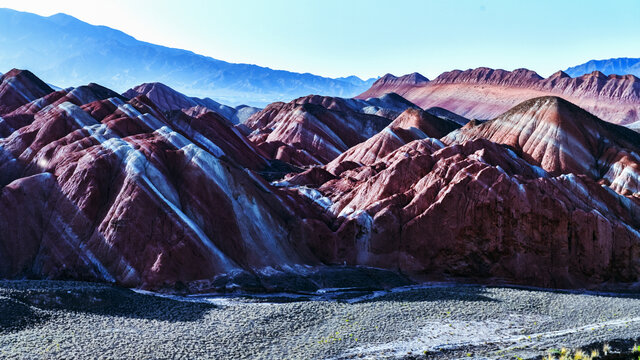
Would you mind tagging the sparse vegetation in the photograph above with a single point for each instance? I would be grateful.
(594, 354)
(317, 329)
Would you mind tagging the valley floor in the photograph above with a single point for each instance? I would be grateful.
(47, 319)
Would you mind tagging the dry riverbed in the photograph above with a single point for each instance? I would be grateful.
(48, 319)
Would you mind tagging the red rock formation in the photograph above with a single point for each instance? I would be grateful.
(98, 188)
(562, 138)
(18, 87)
(394, 84)
(477, 210)
(114, 191)
(485, 93)
(310, 134)
(313, 130)
(25, 114)
(413, 124)
(167, 99)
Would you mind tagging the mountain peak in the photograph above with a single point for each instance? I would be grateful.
(18, 87)
(408, 79)
(559, 75)
(553, 133)
(414, 78)
(484, 75)
(597, 74)
(62, 17)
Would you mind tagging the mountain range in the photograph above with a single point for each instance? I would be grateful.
(67, 52)
(619, 66)
(314, 193)
(479, 175)
(485, 93)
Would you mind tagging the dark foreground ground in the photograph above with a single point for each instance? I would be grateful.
(47, 319)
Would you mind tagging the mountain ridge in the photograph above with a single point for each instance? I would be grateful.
(485, 93)
(99, 187)
(72, 56)
(619, 66)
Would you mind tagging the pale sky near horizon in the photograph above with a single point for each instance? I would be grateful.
(369, 38)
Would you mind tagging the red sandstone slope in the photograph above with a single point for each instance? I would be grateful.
(475, 209)
(114, 191)
(26, 113)
(412, 124)
(95, 187)
(316, 129)
(562, 138)
(18, 87)
(485, 93)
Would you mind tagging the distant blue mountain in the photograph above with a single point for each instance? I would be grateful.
(619, 66)
(65, 51)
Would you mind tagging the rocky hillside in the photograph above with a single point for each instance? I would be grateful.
(103, 187)
(485, 93)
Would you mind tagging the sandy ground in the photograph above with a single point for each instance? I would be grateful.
(46, 319)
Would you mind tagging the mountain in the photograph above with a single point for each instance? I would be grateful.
(469, 207)
(412, 124)
(102, 187)
(168, 99)
(20, 87)
(485, 93)
(114, 191)
(314, 129)
(66, 51)
(618, 66)
(560, 139)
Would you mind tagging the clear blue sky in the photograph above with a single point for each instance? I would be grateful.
(369, 38)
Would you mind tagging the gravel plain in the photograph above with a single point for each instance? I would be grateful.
(62, 320)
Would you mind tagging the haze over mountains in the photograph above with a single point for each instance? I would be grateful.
(619, 66)
(68, 52)
(65, 51)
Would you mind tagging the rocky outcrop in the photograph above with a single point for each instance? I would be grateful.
(476, 211)
(409, 79)
(167, 99)
(390, 83)
(562, 138)
(26, 113)
(485, 93)
(18, 87)
(115, 191)
(483, 75)
(470, 208)
(314, 130)
(412, 124)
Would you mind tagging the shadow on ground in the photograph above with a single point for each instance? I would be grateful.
(28, 303)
